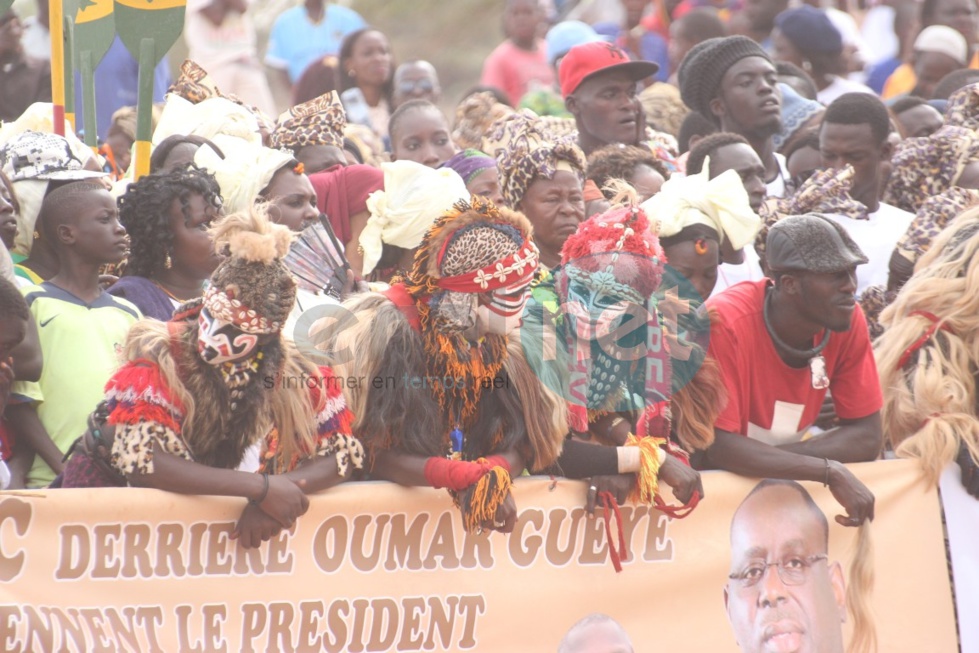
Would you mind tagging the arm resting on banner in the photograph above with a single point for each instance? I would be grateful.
(853, 441)
(748, 457)
(284, 500)
(407, 469)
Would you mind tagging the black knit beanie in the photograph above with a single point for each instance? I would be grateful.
(704, 66)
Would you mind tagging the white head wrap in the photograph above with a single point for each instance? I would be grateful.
(720, 203)
(413, 198)
(245, 170)
(207, 119)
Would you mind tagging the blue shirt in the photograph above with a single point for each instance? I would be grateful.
(116, 79)
(295, 41)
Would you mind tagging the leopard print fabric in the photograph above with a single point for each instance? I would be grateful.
(928, 166)
(934, 215)
(134, 445)
(963, 108)
(348, 450)
(475, 247)
(320, 121)
(470, 248)
(826, 191)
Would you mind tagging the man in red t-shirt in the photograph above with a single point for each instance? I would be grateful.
(781, 344)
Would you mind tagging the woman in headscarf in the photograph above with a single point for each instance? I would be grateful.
(699, 218)
(413, 197)
(479, 172)
(341, 193)
(928, 361)
(542, 177)
(167, 217)
(313, 131)
(252, 173)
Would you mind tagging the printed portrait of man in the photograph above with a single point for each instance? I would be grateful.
(784, 594)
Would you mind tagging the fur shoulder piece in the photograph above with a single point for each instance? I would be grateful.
(252, 236)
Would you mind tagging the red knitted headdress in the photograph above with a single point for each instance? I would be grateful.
(619, 244)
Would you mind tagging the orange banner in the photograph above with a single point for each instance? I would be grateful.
(376, 567)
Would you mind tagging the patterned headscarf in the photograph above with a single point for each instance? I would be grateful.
(927, 166)
(471, 249)
(935, 214)
(826, 191)
(468, 164)
(320, 121)
(962, 109)
(524, 152)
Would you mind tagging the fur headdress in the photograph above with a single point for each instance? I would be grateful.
(252, 288)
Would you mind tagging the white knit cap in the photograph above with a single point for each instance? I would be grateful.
(944, 40)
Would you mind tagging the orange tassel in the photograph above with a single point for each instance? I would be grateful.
(479, 503)
(647, 480)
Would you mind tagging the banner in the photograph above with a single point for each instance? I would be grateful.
(377, 567)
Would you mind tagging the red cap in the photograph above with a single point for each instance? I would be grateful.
(587, 59)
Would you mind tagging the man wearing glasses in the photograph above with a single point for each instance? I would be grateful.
(783, 594)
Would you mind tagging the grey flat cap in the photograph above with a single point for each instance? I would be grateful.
(811, 243)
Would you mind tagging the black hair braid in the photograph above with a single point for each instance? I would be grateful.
(145, 213)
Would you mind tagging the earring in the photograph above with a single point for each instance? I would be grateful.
(351, 73)
(167, 263)
(37, 235)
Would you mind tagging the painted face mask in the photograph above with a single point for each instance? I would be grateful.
(501, 314)
(594, 313)
(221, 342)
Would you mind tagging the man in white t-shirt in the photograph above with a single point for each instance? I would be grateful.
(854, 132)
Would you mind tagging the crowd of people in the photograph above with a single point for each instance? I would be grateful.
(678, 237)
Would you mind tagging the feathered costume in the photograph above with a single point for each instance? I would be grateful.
(427, 389)
(166, 397)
